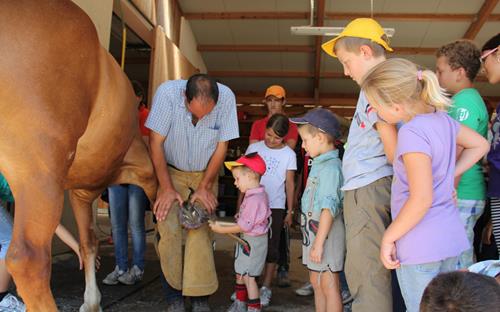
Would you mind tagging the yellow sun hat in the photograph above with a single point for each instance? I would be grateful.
(366, 28)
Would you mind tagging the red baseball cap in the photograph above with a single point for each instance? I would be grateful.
(252, 161)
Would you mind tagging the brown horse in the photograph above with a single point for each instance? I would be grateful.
(69, 121)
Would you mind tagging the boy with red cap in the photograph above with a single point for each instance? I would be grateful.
(253, 224)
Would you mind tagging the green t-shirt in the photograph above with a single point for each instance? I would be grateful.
(5, 193)
(469, 109)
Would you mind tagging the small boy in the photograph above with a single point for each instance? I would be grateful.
(461, 291)
(253, 223)
(323, 242)
(367, 170)
(457, 65)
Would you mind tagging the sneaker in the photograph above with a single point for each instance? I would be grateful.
(10, 303)
(283, 280)
(305, 290)
(176, 306)
(254, 309)
(233, 296)
(265, 296)
(112, 278)
(132, 276)
(238, 306)
(200, 305)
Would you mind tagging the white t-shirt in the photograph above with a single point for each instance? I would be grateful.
(278, 162)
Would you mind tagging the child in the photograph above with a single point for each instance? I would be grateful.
(322, 224)
(366, 170)
(252, 222)
(457, 65)
(461, 291)
(426, 235)
(279, 184)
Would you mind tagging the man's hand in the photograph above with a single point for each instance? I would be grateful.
(206, 198)
(164, 201)
(288, 220)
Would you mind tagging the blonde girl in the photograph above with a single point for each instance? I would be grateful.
(426, 234)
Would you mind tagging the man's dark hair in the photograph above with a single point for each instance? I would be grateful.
(492, 43)
(279, 124)
(461, 292)
(462, 53)
(202, 86)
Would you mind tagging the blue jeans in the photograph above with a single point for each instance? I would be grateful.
(5, 231)
(470, 211)
(414, 278)
(127, 204)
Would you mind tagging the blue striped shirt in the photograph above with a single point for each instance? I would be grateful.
(188, 147)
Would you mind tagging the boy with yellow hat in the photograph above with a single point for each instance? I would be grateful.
(367, 170)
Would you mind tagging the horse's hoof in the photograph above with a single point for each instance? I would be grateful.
(86, 308)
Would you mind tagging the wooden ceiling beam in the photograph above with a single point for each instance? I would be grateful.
(289, 74)
(481, 18)
(320, 18)
(339, 16)
(254, 48)
(294, 48)
(246, 15)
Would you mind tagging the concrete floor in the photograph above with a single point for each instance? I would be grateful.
(68, 282)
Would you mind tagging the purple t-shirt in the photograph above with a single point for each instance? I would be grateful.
(254, 214)
(440, 234)
(494, 158)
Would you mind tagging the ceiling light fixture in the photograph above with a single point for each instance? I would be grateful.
(310, 30)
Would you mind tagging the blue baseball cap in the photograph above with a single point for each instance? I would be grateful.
(322, 119)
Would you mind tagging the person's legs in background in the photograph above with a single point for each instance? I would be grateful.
(118, 205)
(137, 204)
(8, 302)
(284, 258)
(470, 211)
(495, 220)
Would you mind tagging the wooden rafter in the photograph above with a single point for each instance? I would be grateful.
(481, 18)
(320, 18)
(339, 16)
(289, 74)
(294, 48)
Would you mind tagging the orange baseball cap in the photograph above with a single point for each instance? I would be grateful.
(252, 161)
(277, 91)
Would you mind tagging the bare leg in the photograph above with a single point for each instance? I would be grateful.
(269, 274)
(330, 285)
(252, 287)
(319, 296)
(80, 201)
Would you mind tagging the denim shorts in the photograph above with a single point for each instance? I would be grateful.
(5, 231)
(414, 278)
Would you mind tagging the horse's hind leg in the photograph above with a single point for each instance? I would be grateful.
(81, 202)
(39, 202)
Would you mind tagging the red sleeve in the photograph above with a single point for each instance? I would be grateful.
(257, 132)
(143, 115)
(293, 132)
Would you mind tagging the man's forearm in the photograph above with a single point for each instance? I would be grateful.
(160, 164)
(214, 165)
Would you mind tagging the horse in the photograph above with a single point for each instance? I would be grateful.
(69, 122)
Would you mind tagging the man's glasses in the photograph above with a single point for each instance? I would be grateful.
(485, 55)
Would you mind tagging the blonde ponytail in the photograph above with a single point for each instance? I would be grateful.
(397, 80)
(432, 93)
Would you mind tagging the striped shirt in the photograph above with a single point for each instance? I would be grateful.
(188, 147)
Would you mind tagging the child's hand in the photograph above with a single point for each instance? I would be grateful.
(215, 227)
(388, 255)
(316, 253)
(288, 220)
